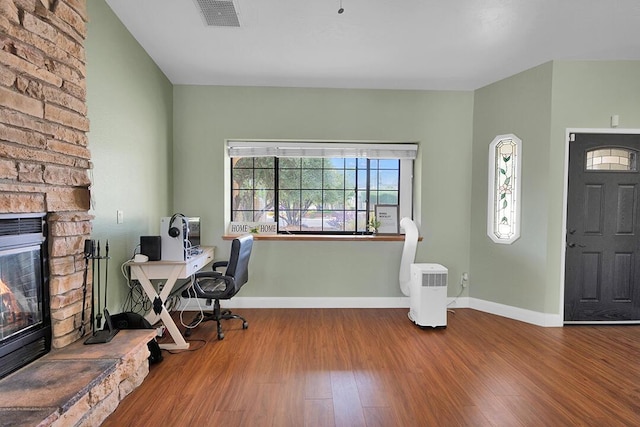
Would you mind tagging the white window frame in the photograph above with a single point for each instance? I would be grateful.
(406, 152)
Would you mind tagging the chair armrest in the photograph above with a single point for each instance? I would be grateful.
(187, 291)
(225, 293)
(219, 264)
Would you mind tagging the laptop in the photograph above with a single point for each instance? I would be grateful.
(106, 334)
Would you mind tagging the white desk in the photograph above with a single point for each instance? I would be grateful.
(170, 271)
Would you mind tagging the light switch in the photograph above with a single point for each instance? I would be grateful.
(120, 215)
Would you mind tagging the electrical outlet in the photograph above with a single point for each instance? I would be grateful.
(464, 279)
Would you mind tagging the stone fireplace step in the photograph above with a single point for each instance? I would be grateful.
(76, 385)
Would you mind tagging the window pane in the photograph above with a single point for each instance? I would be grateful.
(373, 179)
(289, 220)
(350, 163)
(289, 199)
(388, 179)
(289, 178)
(350, 200)
(333, 199)
(244, 162)
(362, 200)
(334, 179)
(349, 221)
(334, 163)
(388, 164)
(333, 220)
(611, 159)
(242, 216)
(311, 221)
(362, 179)
(242, 200)
(388, 197)
(349, 179)
(311, 199)
(362, 222)
(242, 178)
(310, 162)
(264, 179)
(312, 178)
(265, 162)
(289, 162)
(263, 200)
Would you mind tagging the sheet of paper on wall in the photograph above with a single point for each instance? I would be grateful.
(238, 228)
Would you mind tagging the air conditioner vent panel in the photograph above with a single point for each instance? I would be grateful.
(434, 279)
(218, 13)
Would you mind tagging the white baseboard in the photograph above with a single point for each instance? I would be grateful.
(516, 313)
(528, 316)
(305, 302)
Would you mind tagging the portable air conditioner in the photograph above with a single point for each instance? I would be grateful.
(428, 298)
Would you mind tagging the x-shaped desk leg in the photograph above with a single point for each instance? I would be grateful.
(159, 311)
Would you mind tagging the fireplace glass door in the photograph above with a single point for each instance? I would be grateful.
(25, 321)
(20, 294)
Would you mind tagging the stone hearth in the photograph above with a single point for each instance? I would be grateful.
(79, 385)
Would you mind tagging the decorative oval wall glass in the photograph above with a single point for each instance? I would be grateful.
(503, 219)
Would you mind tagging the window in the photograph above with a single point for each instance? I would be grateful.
(503, 219)
(611, 159)
(318, 188)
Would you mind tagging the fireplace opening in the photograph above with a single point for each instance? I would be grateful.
(25, 321)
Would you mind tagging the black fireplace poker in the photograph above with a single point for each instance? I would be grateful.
(104, 335)
(88, 253)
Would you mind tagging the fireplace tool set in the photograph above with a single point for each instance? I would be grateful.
(104, 335)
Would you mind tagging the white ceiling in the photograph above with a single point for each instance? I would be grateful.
(388, 44)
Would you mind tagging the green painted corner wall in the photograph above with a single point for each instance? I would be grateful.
(512, 274)
(204, 117)
(539, 105)
(130, 104)
(158, 149)
(585, 95)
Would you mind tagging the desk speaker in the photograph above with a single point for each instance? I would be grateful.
(151, 246)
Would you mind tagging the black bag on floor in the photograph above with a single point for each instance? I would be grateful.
(130, 320)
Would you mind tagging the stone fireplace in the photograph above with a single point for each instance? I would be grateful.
(44, 165)
(44, 158)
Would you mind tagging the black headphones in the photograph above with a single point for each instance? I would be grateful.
(174, 231)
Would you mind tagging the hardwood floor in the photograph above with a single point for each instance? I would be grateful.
(370, 367)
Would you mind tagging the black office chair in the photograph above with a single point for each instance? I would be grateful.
(215, 285)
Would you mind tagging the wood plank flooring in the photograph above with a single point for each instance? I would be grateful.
(373, 367)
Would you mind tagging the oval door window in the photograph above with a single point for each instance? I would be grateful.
(611, 159)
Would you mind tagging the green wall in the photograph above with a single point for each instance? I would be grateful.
(585, 95)
(204, 116)
(512, 274)
(158, 149)
(538, 105)
(130, 108)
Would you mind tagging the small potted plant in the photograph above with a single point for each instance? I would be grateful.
(374, 224)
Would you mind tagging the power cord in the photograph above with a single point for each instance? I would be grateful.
(462, 288)
(192, 295)
(204, 343)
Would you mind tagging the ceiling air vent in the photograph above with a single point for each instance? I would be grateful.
(218, 13)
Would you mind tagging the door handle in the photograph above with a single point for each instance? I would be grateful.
(573, 245)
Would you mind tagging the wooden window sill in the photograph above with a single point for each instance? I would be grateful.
(335, 238)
